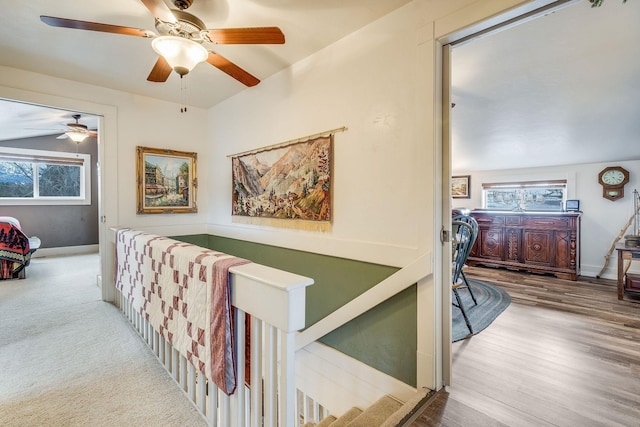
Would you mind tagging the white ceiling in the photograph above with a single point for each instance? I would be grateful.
(124, 62)
(559, 89)
(19, 120)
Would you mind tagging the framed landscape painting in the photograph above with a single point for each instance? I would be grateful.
(460, 187)
(166, 181)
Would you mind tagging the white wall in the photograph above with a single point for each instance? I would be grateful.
(602, 219)
(378, 83)
(381, 83)
(381, 181)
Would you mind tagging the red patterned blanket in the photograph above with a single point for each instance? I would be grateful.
(182, 290)
(14, 250)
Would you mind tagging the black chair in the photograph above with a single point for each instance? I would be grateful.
(463, 239)
(474, 225)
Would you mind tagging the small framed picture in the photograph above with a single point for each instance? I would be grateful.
(166, 181)
(461, 187)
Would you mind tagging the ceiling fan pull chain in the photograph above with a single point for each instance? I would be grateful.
(183, 92)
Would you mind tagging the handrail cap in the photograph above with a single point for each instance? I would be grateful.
(273, 277)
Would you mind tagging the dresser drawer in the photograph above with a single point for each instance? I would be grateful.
(546, 221)
(513, 220)
(632, 283)
(489, 219)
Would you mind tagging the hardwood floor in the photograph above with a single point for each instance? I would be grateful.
(562, 354)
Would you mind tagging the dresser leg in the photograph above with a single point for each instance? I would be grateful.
(620, 275)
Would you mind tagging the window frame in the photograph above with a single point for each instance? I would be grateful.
(35, 157)
(552, 184)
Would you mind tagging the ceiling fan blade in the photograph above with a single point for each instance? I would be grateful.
(255, 35)
(160, 72)
(232, 69)
(159, 9)
(94, 26)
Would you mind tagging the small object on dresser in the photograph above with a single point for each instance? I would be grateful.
(572, 205)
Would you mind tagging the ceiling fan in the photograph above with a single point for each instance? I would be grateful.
(77, 131)
(180, 38)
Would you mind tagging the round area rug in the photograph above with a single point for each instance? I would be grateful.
(492, 301)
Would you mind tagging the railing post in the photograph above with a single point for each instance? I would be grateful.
(240, 357)
(256, 371)
(287, 379)
(270, 378)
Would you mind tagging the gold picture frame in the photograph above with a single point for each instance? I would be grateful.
(166, 181)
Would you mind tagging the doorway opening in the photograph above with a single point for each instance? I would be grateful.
(49, 161)
(526, 127)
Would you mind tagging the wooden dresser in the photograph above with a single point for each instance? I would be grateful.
(539, 242)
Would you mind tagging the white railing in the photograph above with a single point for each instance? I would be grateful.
(275, 301)
(389, 287)
(328, 383)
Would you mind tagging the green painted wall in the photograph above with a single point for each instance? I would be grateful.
(384, 337)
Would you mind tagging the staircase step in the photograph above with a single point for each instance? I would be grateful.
(409, 409)
(385, 412)
(346, 418)
(377, 413)
(326, 422)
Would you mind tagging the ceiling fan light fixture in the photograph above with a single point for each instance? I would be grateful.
(182, 54)
(76, 136)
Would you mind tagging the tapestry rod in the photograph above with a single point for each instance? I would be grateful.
(289, 142)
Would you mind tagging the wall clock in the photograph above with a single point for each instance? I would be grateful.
(613, 180)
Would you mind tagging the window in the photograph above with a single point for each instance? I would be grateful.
(529, 196)
(37, 177)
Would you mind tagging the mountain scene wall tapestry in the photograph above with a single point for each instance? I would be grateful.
(290, 183)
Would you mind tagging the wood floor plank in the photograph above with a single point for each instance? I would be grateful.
(448, 412)
(564, 353)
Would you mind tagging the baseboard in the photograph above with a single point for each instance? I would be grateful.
(65, 250)
(610, 273)
(339, 382)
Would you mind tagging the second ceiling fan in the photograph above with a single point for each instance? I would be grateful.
(183, 34)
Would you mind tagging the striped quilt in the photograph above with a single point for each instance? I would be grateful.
(182, 291)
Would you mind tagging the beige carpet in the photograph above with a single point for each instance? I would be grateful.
(69, 359)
